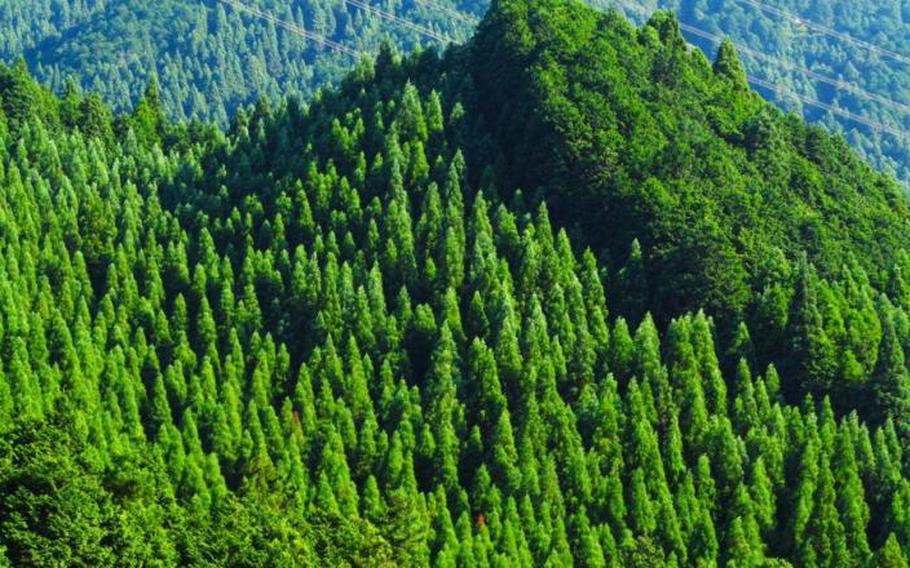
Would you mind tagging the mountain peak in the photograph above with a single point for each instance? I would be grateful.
(628, 129)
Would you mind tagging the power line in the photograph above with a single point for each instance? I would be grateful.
(874, 125)
(390, 17)
(838, 83)
(468, 19)
(827, 30)
(293, 28)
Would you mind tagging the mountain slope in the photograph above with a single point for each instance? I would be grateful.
(208, 58)
(882, 71)
(630, 137)
(633, 135)
(321, 337)
(211, 60)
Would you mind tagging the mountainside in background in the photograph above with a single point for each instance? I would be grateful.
(209, 58)
(338, 333)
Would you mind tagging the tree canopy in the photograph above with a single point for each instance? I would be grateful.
(399, 324)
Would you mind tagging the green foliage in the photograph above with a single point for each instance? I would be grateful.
(209, 59)
(729, 205)
(323, 338)
(792, 44)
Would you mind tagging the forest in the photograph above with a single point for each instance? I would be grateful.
(210, 58)
(569, 293)
(851, 56)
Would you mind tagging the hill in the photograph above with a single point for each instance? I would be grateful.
(859, 47)
(209, 58)
(698, 193)
(336, 334)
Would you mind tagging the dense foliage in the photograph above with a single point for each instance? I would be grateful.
(208, 58)
(211, 60)
(790, 44)
(695, 191)
(336, 333)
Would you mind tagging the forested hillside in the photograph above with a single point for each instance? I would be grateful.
(385, 327)
(871, 82)
(694, 192)
(209, 58)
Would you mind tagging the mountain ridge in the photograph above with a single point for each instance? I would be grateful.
(726, 200)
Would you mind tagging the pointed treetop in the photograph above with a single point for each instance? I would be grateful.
(727, 64)
(667, 26)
